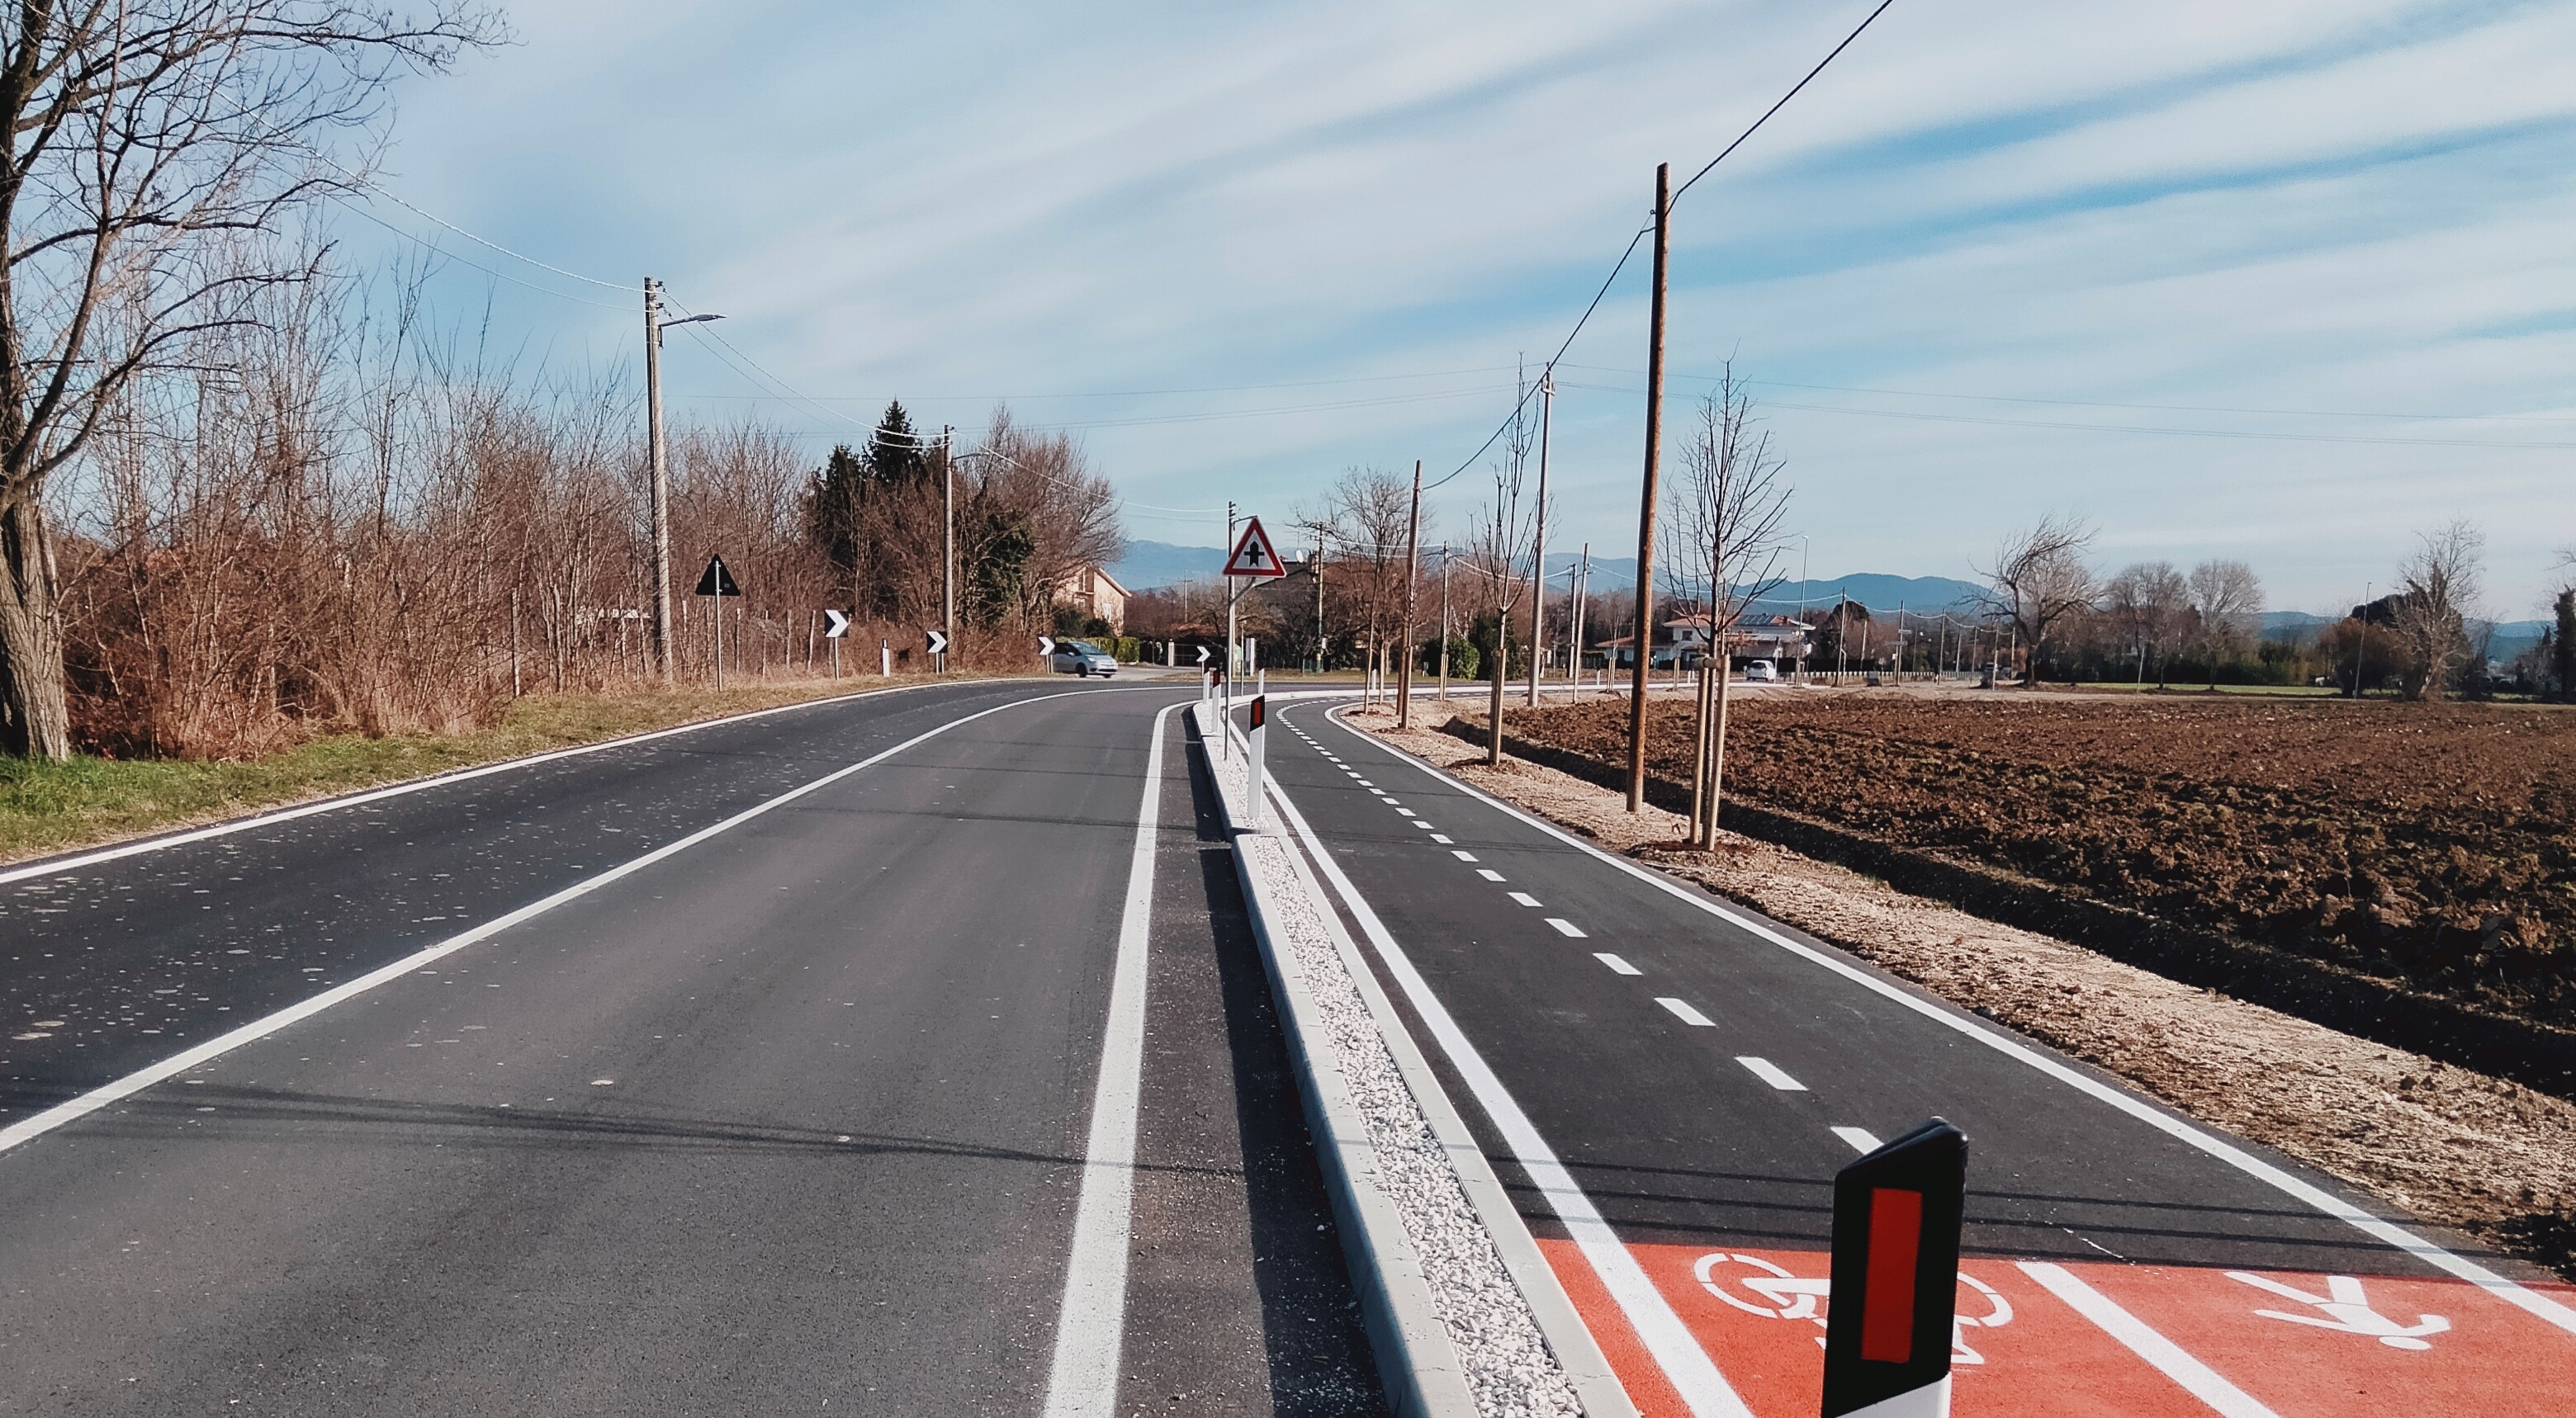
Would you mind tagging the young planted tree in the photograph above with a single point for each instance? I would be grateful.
(1501, 537)
(2430, 620)
(1722, 545)
(145, 137)
(2226, 609)
(2038, 580)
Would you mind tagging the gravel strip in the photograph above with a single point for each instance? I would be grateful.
(1506, 1362)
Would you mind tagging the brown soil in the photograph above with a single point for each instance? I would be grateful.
(2453, 1147)
(2435, 844)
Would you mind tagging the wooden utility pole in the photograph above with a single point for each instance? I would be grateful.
(1646, 502)
(1538, 538)
(1412, 575)
(1444, 623)
(948, 560)
(657, 454)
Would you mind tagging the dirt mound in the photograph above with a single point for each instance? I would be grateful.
(2430, 843)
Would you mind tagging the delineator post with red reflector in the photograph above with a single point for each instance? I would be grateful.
(1896, 1277)
(1259, 736)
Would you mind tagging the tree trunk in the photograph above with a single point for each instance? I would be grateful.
(1494, 706)
(35, 715)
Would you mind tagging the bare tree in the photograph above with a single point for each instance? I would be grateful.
(2146, 604)
(1500, 537)
(1362, 524)
(2039, 579)
(2226, 608)
(144, 136)
(2562, 611)
(2441, 583)
(1723, 543)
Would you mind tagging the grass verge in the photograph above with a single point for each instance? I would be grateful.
(56, 807)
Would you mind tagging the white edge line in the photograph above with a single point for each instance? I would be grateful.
(59, 865)
(1685, 1365)
(2197, 1378)
(2396, 1237)
(1082, 1380)
(70, 1110)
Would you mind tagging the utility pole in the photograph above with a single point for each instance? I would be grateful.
(658, 455)
(1413, 574)
(1444, 622)
(1646, 498)
(1538, 550)
(1582, 604)
(1319, 598)
(948, 562)
(1225, 738)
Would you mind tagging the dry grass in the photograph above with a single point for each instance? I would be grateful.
(2455, 1148)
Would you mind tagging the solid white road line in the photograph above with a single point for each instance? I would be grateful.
(1083, 1382)
(1682, 1011)
(1565, 927)
(1523, 897)
(1616, 964)
(2197, 1378)
(1703, 1389)
(2387, 1233)
(1858, 1140)
(29, 1128)
(1770, 1073)
(1488, 873)
(271, 819)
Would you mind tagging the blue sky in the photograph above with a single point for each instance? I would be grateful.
(2287, 282)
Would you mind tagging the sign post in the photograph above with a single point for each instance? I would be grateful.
(840, 626)
(1896, 1277)
(719, 583)
(1253, 559)
(938, 652)
(1259, 736)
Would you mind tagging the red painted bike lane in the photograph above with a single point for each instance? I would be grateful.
(2038, 1340)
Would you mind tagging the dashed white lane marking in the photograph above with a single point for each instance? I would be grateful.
(1770, 1073)
(2197, 1378)
(1467, 856)
(1565, 927)
(1703, 1389)
(1858, 1139)
(1682, 1011)
(1092, 1325)
(1417, 821)
(1488, 873)
(1522, 897)
(1443, 841)
(1407, 812)
(1616, 964)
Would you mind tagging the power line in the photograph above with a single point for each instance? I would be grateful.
(1142, 393)
(1641, 235)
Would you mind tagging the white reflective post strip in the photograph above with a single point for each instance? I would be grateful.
(1929, 1401)
(2198, 1379)
(1083, 1381)
(1686, 1366)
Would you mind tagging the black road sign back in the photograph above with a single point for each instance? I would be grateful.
(717, 581)
(1896, 1269)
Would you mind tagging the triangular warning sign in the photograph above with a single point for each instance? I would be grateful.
(717, 581)
(1253, 554)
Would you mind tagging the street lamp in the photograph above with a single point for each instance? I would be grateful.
(654, 325)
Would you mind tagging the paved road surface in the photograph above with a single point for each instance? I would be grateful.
(794, 1116)
(1700, 1082)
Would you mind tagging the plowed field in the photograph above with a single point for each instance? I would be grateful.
(2431, 843)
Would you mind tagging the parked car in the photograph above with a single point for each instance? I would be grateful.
(1761, 672)
(1081, 657)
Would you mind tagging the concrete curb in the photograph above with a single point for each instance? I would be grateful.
(1401, 1321)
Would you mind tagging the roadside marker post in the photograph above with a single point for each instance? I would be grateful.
(1896, 1277)
(885, 658)
(839, 627)
(1259, 736)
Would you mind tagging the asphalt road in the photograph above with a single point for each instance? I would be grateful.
(1700, 1081)
(791, 1118)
